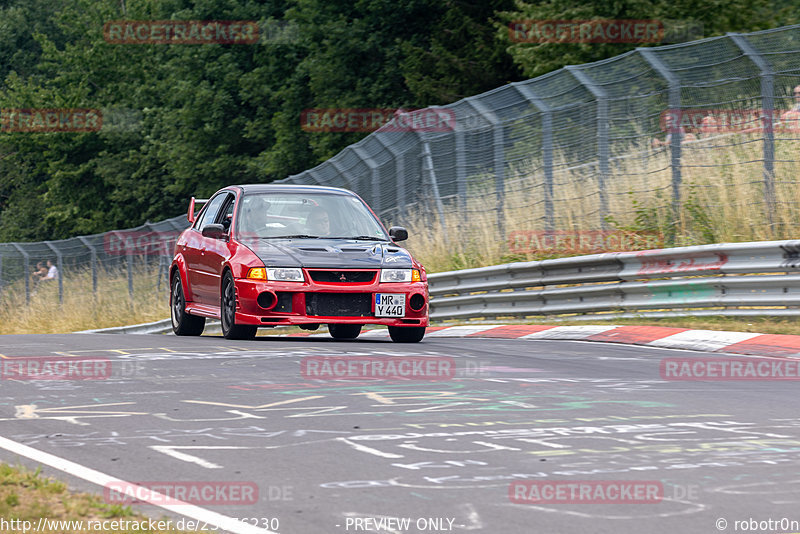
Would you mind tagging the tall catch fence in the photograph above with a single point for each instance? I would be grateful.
(692, 143)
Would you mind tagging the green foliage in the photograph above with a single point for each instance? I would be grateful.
(184, 120)
(188, 119)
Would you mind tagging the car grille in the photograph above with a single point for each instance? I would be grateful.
(343, 277)
(339, 304)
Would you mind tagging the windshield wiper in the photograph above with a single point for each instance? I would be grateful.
(294, 236)
(361, 237)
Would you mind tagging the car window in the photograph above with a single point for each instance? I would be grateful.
(226, 213)
(307, 213)
(211, 211)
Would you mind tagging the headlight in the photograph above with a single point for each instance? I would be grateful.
(285, 274)
(396, 275)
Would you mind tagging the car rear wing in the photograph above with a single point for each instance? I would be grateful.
(191, 215)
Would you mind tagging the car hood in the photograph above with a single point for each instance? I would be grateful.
(329, 253)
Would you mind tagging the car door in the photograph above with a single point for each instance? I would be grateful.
(215, 254)
(197, 267)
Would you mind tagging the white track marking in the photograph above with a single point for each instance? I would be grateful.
(570, 332)
(704, 340)
(370, 450)
(461, 331)
(101, 479)
(169, 450)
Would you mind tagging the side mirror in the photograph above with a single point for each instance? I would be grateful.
(214, 231)
(398, 233)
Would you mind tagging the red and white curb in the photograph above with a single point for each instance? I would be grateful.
(652, 336)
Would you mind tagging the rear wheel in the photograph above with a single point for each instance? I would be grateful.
(406, 334)
(183, 324)
(231, 330)
(344, 331)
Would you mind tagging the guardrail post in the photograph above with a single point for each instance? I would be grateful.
(767, 76)
(547, 150)
(1, 273)
(674, 98)
(602, 133)
(26, 266)
(499, 159)
(93, 261)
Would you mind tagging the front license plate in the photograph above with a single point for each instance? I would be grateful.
(390, 305)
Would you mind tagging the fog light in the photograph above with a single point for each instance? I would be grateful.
(416, 302)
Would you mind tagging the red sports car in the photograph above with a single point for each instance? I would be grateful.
(268, 255)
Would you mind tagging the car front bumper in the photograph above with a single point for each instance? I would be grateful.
(298, 303)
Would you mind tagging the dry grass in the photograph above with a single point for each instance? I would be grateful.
(83, 309)
(722, 200)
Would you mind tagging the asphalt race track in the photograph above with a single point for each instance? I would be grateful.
(334, 456)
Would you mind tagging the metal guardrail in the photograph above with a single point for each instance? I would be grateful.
(735, 279)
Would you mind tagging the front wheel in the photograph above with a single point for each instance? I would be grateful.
(231, 330)
(406, 334)
(183, 324)
(344, 331)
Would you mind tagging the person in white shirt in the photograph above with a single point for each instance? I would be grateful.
(52, 271)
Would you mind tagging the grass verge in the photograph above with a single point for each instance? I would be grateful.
(26, 495)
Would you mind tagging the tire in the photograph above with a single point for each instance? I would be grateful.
(344, 331)
(183, 324)
(227, 312)
(406, 334)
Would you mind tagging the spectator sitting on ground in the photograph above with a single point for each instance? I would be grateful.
(39, 273)
(52, 271)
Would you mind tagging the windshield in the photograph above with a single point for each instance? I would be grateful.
(306, 215)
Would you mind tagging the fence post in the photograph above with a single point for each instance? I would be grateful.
(547, 150)
(128, 247)
(342, 173)
(93, 260)
(399, 174)
(499, 159)
(374, 177)
(676, 138)
(427, 165)
(1, 274)
(60, 264)
(767, 103)
(26, 262)
(602, 133)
